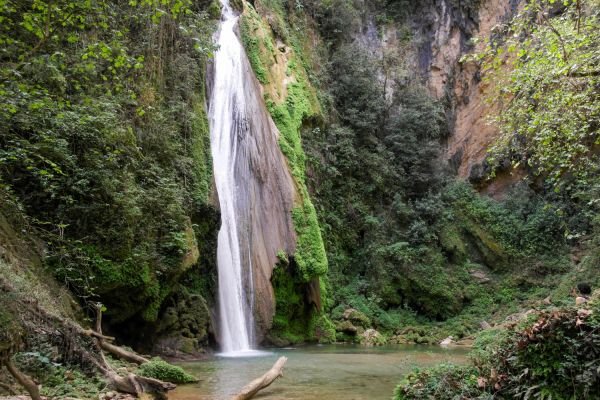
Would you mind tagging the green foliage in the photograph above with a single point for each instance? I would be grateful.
(555, 355)
(289, 118)
(544, 67)
(71, 383)
(550, 354)
(162, 370)
(104, 140)
(524, 224)
(292, 316)
(402, 239)
(57, 380)
(444, 382)
(252, 33)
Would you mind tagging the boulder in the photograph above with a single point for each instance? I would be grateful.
(399, 339)
(480, 276)
(465, 342)
(371, 337)
(183, 327)
(447, 342)
(579, 300)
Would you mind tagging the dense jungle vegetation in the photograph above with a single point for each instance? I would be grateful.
(105, 169)
(404, 238)
(104, 141)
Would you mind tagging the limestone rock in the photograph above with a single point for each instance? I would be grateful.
(465, 342)
(276, 341)
(399, 339)
(448, 341)
(580, 300)
(265, 195)
(484, 325)
(480, 276)
(112, 395)
(371, 337)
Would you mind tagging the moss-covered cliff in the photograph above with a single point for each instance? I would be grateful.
(276, 56)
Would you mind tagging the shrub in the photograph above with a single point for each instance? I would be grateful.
(444, 382)
(554, 354)
(164, 371)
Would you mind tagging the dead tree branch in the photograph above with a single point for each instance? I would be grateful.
(260, 383)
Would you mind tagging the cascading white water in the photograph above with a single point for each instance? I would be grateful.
(227, 115)
(256, 194)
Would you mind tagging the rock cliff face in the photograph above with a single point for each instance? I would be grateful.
(447, 39)
(441, 33)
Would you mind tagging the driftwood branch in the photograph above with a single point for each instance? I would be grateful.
(122, 353)
(133, 384)
(111, 348)
(94, 356)
(260, 383)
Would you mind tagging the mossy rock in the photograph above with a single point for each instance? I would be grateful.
(346, 327)
(323, 329)
(357, 318)
(159, 369)
(372, 338)
(184, 325)
(453, 244)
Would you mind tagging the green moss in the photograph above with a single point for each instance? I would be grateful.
(201, 153)
(452, 242)
(214, 10)
(322, 329)
(159, 369)
(310, 250)
(294, 320)
(289, 117)
(290, 322)
(258, 49)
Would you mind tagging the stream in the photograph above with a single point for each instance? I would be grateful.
(316, 372)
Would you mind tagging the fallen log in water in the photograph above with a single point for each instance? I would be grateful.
(260, 383)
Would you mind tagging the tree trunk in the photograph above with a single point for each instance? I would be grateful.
(260, 383)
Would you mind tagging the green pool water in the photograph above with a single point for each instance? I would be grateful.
(328, 372)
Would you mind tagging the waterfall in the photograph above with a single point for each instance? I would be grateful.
(255, 189)
(227, 119)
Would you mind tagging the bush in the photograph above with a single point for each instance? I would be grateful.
(444, 382)
(554, 354)
(159, 369)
